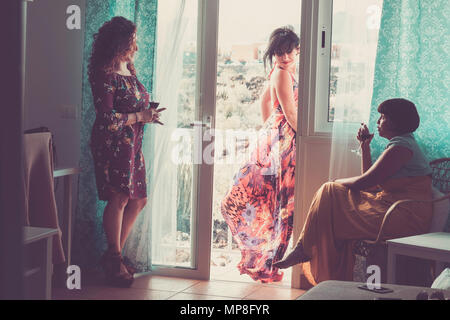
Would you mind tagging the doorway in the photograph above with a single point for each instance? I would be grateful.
(219, 79)
(244, 28)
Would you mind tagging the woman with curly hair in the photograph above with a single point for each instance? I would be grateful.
(121, 103)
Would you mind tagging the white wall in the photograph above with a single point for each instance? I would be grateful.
(53, 80)
(53, 75)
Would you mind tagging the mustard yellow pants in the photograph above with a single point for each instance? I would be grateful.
(338, 216)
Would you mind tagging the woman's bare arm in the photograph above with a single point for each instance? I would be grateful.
(365, 138)
(283, 88)
(134, 117)
(366, 158)
(266, 108)
(390, 161)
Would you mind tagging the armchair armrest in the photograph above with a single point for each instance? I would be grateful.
(394, 206)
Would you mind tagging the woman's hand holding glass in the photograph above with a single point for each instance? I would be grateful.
(364, 136)
(156, 115)
(152, 115)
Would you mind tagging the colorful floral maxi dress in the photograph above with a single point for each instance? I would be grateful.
(259, 207)
(116, 147)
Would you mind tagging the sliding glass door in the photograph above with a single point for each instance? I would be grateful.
(185, 85)
(208, 65)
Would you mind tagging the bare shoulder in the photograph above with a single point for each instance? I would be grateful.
(280, 73)
(280, 77)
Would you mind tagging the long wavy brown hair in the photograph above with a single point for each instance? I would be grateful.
(113, 43)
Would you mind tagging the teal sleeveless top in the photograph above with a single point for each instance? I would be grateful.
(418, 164)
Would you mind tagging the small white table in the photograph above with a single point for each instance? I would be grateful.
(433, 246)
(67, 174)
(38, 245)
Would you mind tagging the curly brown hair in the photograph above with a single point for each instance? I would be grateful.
(114, 42)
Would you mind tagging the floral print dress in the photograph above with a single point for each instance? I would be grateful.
(260, 204)
(116, 147)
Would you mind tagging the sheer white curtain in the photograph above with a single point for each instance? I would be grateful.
(163, 184)
(157, 240)
(355, 36)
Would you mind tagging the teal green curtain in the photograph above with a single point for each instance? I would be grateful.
(89, 239)
(413, 62)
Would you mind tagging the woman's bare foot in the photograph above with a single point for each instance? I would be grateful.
(296, 256)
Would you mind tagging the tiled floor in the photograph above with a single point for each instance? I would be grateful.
(148, 287)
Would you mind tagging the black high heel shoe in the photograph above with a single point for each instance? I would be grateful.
(111, 262)
(130, 268)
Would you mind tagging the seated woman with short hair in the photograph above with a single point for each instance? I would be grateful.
(352, 208)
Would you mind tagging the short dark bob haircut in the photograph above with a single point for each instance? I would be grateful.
(402, 113)
(282, 40)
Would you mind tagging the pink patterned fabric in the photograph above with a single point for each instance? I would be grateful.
(259, 207)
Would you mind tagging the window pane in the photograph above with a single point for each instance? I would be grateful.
(353, 51)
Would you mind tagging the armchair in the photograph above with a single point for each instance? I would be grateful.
(375, 251)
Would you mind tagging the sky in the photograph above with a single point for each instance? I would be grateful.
(244, 21)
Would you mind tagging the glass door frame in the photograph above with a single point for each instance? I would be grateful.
(207, 46)
(205, 101)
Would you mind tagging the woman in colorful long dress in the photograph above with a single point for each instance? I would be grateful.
(353, 208)
(121, 103)
(259, 206)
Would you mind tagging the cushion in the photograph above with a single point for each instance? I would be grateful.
(440, 212)
(442, 281)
